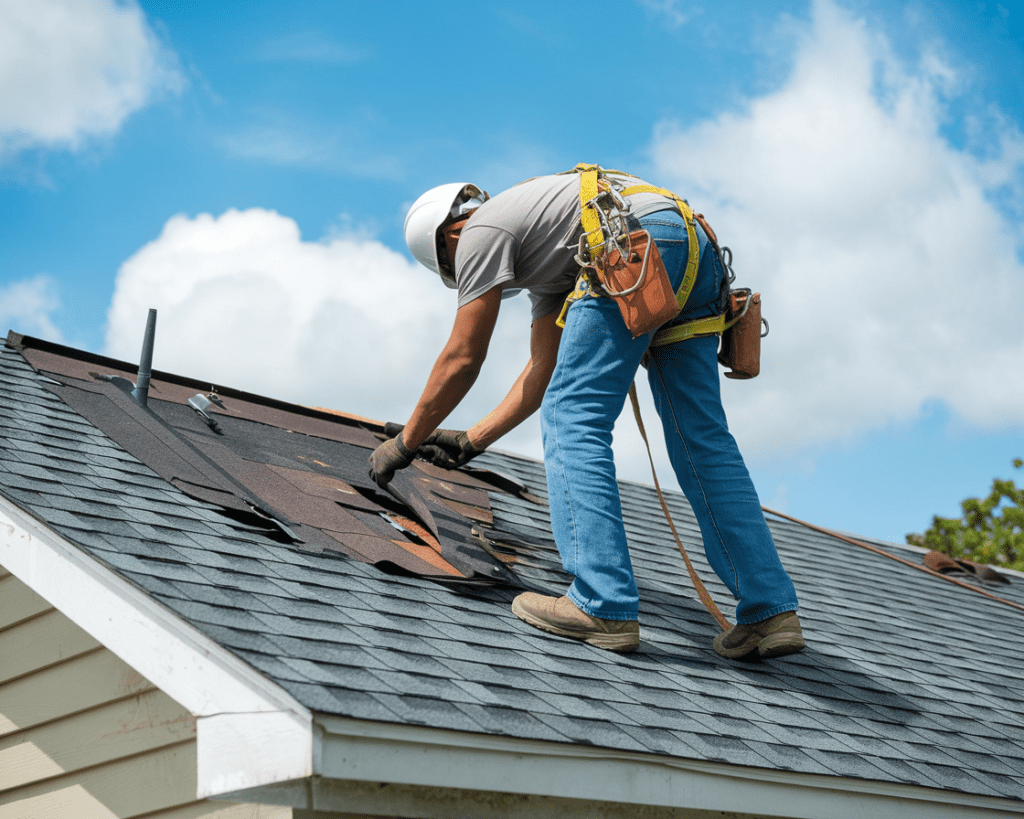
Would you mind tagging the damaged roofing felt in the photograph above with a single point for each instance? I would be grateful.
(906, 679)
(299, 474)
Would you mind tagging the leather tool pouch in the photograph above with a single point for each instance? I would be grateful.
(741, 343)
(639, 284)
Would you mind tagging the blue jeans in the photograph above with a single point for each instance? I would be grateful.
(597, 360)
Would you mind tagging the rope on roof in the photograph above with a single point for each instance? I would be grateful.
(904, 561)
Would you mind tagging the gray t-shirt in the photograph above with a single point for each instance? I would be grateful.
(527, 237)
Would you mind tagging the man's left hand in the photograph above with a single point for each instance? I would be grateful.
(387, 459)
(448, 448)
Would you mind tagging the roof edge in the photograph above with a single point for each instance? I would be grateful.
(192, 669)
(434, 772)
(19, 342)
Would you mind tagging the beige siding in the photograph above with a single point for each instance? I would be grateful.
(83, 735)
(58, 691)
(40, 642)
(20, 602)
(140, 724)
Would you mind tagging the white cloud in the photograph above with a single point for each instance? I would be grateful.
(309, 46)
(668, 10)
(73, 69)
(345, 322)
(26, 305)
(355, 148)
(889, 276)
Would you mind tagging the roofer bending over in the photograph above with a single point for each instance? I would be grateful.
(529, 238)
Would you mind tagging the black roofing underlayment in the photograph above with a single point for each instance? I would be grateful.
(905, 678)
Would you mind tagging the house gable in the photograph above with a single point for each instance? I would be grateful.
(82, 734)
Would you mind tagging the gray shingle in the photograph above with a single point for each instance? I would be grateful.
(847, 764)
(225, 616)
(660, 740)
(724, 749)
(415, 710)
(345, 702)
(787, 757)
(335, 653)
(496, 719)
(678, 720)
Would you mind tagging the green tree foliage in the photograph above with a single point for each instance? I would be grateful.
(991, 529)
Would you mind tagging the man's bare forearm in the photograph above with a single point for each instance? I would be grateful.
(522, 401)
(456, 368)
(527, 394)
(450, 380)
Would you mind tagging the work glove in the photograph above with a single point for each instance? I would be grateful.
(387, 459)
(448, 448)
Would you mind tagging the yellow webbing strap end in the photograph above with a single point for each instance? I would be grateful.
(693, 260)
(712, 325)
(581, 290)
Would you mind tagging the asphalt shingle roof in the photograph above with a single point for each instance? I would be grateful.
(905, 678)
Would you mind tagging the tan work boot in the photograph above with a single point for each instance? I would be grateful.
(775, 637)
(559, 615)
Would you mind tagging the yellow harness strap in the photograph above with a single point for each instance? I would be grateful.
(710, 326)
(589, 188)
(690, 275)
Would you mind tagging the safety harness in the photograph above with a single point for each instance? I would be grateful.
(603, 214)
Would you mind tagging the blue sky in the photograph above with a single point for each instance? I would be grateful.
(246, 167)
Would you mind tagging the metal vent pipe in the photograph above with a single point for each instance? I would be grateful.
(141, 392)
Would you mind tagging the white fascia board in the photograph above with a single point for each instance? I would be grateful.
(531, 773)
(237, 708)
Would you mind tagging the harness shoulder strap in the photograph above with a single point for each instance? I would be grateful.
(589, 188)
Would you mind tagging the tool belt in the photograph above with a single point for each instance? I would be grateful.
(620, 260)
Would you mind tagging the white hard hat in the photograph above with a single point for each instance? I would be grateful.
(430, 212)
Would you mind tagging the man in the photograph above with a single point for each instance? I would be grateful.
(527, 238)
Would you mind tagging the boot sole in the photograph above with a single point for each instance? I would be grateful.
(767, 648)
(780, 645)
(621, 643)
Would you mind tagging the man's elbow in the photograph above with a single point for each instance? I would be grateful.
(465, 364)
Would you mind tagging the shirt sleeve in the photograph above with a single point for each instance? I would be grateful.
(485, 259)
(543, 304)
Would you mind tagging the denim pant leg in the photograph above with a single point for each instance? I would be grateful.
(684, 379)
(597, 360)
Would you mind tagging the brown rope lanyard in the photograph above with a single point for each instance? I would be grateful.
(702, 592)
(920, 567)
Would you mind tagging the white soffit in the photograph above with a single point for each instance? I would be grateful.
(229, 698)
